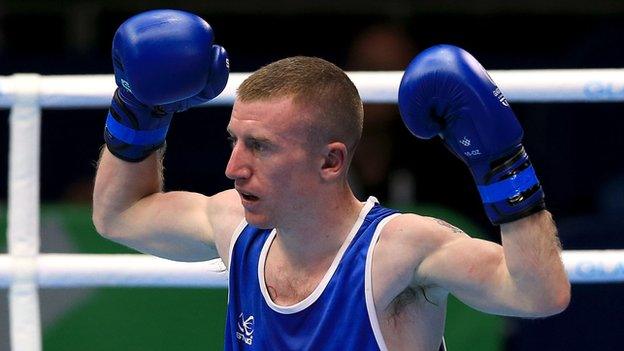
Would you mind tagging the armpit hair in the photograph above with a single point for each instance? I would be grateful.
(408, 296)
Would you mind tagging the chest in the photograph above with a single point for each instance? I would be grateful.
(288, 285)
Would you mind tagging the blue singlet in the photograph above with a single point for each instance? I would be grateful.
(339, 314)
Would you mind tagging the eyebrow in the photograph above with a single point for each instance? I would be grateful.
(252, 138)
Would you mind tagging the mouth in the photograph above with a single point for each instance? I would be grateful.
(247, 196)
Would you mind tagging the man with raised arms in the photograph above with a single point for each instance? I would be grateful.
(311, 267)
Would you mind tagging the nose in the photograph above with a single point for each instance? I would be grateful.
(237, 167)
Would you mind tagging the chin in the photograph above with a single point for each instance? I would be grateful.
(258, 221)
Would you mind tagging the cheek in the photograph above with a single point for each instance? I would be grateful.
(298, 178)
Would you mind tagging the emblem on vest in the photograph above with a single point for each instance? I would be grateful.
(245, 329)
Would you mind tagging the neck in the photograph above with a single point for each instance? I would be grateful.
(321, 232)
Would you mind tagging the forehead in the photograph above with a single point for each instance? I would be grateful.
(272, 117)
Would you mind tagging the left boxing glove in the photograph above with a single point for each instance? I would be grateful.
(164, 62)
(445, 91)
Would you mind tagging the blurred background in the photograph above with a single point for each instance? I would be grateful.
(577, 149)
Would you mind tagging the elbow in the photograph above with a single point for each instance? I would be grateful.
(555, 301)
(103, 224)
(561, 299)
(99, 216)
(107, 218)
(99, 223)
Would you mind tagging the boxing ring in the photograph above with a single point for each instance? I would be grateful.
(23, 270)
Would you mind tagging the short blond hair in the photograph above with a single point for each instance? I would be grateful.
(317, 84)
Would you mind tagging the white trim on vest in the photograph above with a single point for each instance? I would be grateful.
(368, 284)
(233, 239)
(303, 304)
(237, 232)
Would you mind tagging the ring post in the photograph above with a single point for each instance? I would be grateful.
(23, 213)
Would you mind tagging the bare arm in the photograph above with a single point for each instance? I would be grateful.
(524, 277)
(130, 207)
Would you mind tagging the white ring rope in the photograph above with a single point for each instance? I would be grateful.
(24, 270)
(81, 270)
(89, 270)
(566, 85)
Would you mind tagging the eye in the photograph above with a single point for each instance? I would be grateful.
(231, 141)
(257, 145)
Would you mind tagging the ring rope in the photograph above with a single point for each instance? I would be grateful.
(547, 85)
(23, 270)
(137, 270)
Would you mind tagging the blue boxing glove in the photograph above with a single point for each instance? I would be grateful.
(164, 62)
(446, 92)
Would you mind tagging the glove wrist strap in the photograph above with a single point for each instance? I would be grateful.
(133, 130)
(512, 190)
(133, 136)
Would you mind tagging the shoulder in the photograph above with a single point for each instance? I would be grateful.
(411, 228)
(405, 242)
(227, 201)
(225, 213)
(410, 238)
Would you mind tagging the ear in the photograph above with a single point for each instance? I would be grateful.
(334, 161)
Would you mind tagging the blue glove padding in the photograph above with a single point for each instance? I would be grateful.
(164, 62)
(446, 92)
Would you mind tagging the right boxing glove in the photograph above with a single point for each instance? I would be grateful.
(445, 91)
(164, 62)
